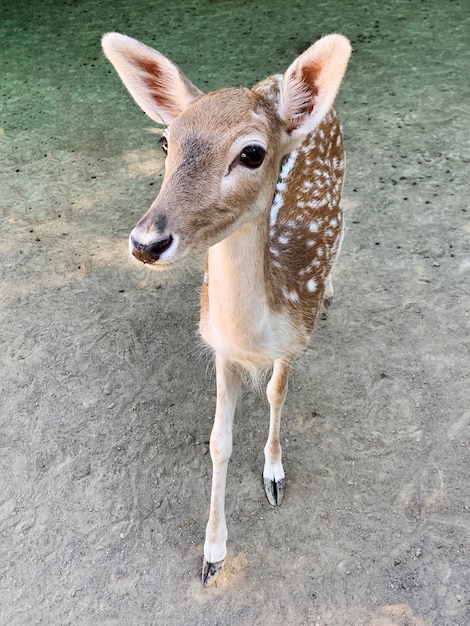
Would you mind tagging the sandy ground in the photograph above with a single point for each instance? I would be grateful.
(106, 406)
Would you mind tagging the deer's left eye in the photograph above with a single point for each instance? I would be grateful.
(163, 141)
(252, 156)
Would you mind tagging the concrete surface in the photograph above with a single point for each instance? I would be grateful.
(106, 407)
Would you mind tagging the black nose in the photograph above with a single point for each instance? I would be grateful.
(148, 253)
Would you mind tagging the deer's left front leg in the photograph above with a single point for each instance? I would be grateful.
(273, 473)
(228, 389)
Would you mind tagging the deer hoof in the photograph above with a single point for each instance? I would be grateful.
(210, 571)
(274, 490)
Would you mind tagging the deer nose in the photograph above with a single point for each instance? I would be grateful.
(150, 252)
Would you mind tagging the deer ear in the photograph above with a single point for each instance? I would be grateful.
(156, 84)
(309, 86)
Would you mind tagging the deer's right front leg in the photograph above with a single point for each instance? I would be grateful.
(228, 389)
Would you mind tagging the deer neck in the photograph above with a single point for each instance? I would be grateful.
(236, 266)
(237, 317)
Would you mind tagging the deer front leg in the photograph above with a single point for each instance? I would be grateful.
(228, 389)
(273, 473)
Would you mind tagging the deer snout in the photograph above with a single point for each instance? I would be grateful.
(152, 251)
(153, 242)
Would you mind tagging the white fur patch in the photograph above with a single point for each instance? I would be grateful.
(281, 185)
(312, 285)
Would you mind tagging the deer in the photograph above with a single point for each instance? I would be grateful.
(252, 183)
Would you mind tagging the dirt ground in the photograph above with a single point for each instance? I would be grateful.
(106, 403)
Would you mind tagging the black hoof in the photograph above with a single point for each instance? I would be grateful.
(274, 490)
(210, 572)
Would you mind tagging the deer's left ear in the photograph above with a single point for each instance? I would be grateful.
(309, 86)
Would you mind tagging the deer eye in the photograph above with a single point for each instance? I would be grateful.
(252, 156)
(163, 141)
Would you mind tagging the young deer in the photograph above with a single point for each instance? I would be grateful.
(253, 178)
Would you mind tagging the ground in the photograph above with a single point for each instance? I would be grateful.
(106, 401)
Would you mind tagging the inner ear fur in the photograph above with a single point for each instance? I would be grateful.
(310, 85)
(157, 85)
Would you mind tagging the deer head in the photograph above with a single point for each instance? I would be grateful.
(224, 149)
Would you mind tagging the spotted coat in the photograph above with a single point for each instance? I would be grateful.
(306, 218)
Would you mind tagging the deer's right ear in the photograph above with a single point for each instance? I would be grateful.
(156, 84)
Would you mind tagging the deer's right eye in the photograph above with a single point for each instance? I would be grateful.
(163, 141)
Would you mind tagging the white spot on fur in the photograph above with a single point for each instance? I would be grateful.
(291, 296)
(312, 285)
(276, 205)
(280, 187)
